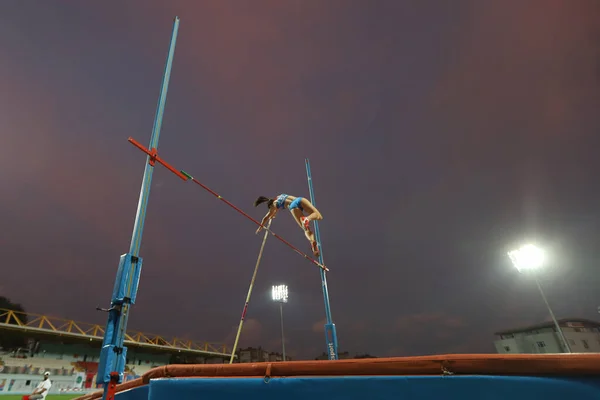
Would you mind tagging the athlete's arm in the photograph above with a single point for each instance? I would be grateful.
(270, 214)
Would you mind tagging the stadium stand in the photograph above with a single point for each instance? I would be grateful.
(70, 351)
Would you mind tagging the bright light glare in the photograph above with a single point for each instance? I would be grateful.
(528, 257)
(280, 293)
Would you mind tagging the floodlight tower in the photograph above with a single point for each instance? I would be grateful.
(280, 295)
(530, 258)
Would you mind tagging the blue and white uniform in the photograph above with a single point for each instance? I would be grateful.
(280, 202)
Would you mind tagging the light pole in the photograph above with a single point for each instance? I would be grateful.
(530, 258)
(280, 295)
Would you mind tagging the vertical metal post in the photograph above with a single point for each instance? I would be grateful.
(556, 324)
(136, 237)
(282, 336)
(330, 331)
(113, 355)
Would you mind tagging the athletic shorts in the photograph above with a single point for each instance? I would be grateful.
(297, 203)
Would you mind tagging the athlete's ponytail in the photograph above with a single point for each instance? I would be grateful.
(262, 199)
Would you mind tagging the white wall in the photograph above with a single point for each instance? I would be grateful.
(24, 384)
(507, 346)
(77, 352)
(548, 341)
(48, 362)
(583, 340)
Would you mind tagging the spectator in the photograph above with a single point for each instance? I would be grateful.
(41, 391)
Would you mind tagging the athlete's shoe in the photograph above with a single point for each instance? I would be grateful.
(315, 248)
(305, 223)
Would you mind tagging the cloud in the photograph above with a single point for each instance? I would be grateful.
(256, 82)
(358, 327)
(396, 351)
(444, 332)
(318, 326)
(274, 345)
(531, 80)
(251, 335)
(416, 323)
(278, 66)
(75, 175)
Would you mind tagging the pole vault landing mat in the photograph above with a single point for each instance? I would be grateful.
(483, 376)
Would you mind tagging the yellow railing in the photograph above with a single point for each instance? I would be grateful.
(20, 320)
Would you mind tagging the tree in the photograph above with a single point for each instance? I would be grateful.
(9, 339)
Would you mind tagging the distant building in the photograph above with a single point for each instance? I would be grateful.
(582, 335)
(278, 357)
(252, 355)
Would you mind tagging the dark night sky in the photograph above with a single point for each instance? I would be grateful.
(440, 134)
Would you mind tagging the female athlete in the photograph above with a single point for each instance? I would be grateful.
(296, 205)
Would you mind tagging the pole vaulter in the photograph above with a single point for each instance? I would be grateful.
(154, 158)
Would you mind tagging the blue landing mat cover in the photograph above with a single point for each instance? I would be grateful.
(372, 387)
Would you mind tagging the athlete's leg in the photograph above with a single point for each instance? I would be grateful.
(297, 204)
(313, 213)
(300, 218)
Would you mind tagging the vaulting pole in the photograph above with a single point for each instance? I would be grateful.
(239, 331)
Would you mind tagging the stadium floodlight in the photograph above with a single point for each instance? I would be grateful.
(530, 258)
(280, 293)
(527, 258)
